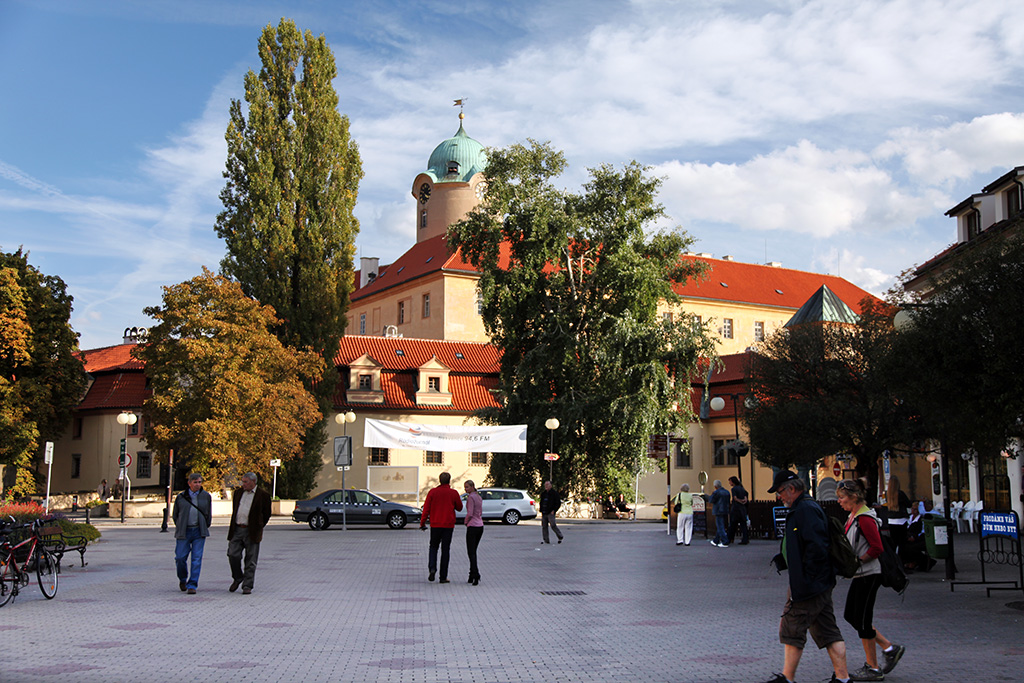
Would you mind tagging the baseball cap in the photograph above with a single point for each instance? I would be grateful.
(781, 477)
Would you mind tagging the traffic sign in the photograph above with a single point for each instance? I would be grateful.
(48, 453)
(551, 456)
(837, 470)
(125, 460)
(275, 463)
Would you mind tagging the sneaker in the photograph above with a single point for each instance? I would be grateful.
(866, 673)
(713, 542)
(779, 678)
(892, 658)
(723, 545)
(191, 591)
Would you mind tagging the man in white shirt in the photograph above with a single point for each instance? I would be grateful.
(250, 513)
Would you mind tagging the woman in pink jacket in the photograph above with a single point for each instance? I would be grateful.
(474, 529)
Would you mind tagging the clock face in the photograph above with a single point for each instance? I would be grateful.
(481, 189)
(424, 193)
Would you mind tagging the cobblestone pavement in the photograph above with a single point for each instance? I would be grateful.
(617, 601)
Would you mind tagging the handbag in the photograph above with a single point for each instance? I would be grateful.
(678, 508)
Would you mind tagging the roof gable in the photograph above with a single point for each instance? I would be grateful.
(823, 307)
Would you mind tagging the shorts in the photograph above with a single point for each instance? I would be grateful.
(814, 615)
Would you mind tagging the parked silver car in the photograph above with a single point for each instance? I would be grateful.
(508, 505)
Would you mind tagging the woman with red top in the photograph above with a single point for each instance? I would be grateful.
(862, 529)
(474, 528)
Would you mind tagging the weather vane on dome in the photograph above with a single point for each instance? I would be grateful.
(459, 104)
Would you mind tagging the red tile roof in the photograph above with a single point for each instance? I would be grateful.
(475, 357)
(469, 392)
(728, 379)
(766, 285)
(424, 258)
(116, 391)
(472, 381)
(110, 359)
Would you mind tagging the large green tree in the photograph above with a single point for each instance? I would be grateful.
(292, 178)
(958, 361)
(227, 394)
(571, 284)
(825, 389)
(41, 378)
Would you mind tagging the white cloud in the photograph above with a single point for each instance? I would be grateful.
(941, 156)
(802, 189)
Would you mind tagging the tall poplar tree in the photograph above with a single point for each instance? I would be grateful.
(292, 178)
(571, 285)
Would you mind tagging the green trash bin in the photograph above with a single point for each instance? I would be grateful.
(936, 537)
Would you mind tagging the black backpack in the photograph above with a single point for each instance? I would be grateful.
(844, 560)
(893, 575)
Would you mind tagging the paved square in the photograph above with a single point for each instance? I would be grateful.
(617, 601)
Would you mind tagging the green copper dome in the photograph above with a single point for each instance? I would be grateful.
(457, 159)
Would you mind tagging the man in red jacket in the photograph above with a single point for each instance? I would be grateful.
(440, 507)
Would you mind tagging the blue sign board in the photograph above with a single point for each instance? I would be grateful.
(998, 524)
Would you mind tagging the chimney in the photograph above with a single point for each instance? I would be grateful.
(728, 257)
(135, 335)
(367, 270)
(774, 264)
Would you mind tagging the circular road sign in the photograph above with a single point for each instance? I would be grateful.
(837, 470)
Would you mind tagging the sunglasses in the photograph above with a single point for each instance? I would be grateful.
(848, 485)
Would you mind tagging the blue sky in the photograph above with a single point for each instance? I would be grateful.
(830, 136)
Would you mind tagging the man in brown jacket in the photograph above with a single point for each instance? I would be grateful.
(250, 512)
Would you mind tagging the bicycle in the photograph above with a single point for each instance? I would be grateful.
(18, 560)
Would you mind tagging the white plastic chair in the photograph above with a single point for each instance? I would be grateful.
(971, 514)
(976, 512)
(965, 523)
(956, 512)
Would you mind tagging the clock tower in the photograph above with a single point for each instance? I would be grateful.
(451, 186)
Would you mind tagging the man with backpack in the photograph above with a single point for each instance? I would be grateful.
(805, 552)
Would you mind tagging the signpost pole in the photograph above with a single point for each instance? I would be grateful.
(123, 477)
(48, 459)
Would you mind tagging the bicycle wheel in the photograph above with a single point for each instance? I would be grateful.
(46, 572)
(8, 581)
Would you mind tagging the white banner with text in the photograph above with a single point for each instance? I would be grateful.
(470, 439)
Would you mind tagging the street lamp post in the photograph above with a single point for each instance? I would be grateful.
(344, 419)
(125, 418)
(552, 425)
(718, 403)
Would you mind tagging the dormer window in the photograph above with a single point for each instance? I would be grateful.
(1013, 201)
(433, 384)
(453, 168)
(973, 221)
(364, 382)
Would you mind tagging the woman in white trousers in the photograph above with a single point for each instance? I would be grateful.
(684, 520)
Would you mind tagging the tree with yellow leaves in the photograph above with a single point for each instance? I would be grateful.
(228, 396)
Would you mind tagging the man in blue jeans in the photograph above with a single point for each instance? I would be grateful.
(720, 508)
(193, 510)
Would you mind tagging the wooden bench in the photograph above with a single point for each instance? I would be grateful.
(54, 540)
